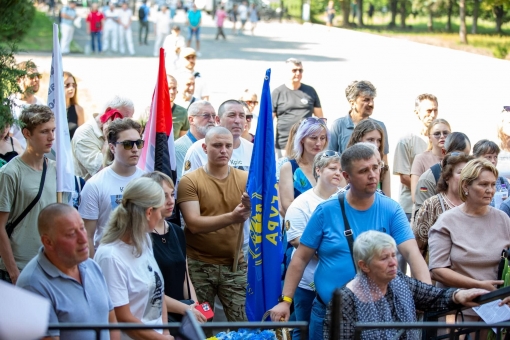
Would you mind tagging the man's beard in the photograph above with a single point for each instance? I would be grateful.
(203, 129)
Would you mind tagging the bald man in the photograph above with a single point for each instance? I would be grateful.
(63, 273)
(214, 206)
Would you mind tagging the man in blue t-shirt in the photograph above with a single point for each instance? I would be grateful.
(324, 236)
(67, 17)
(193, 22)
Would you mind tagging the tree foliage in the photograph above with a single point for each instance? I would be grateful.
(17, 15)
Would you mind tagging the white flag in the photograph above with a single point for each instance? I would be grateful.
(57, 103)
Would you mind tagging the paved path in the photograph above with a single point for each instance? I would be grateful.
(471, 88)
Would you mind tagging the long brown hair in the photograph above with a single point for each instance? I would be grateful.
(74, 99)
(364, 127)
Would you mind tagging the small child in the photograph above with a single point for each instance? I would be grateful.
(173, 44)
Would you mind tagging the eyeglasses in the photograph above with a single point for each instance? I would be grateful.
(249, 118)
(34, 75)
(315, 120)
(251, 102)
(296, 70)
(438, 134)
(327, 154)
(69, 85)
(207, 116)
(128, 144)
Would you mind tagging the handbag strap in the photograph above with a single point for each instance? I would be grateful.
(348, 230)
(11, 226)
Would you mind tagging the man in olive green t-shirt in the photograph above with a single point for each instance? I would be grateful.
(179, 114)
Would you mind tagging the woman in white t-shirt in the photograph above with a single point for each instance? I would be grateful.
(134, 280)
(328, 174)
(504, 143)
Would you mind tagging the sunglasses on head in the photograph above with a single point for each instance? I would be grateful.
(129, 144)
(315, 120)
(327, 154)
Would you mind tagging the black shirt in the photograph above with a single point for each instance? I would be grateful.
(171, 259)
(290, 107)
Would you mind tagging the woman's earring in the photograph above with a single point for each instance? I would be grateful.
(466, 193)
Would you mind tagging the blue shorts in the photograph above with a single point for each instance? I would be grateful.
(196, 33)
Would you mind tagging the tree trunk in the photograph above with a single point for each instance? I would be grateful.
(449, 11)
(403, 13)
(430, 23)
(462, 29)
(346, 11)
(499, 13)
(359, 13)
(393, 10)
(476, 9)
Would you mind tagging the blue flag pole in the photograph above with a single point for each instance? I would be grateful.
(265, 257)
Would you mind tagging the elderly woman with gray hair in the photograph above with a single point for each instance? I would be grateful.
(327, 171)
(380, 293)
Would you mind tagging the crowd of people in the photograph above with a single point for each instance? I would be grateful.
(122, 256)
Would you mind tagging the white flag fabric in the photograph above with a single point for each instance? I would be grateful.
(147, 157)
(57, 103)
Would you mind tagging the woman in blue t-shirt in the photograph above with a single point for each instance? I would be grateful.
(296, 176)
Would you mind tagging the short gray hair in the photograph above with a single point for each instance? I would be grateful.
(118, 102)
(216, 130)
(294, 61)
(358, 88)
(355, 153)
(320, 161)
(197, 106)
(369, 244)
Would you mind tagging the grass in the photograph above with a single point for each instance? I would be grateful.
(486, 42)
(40, 36)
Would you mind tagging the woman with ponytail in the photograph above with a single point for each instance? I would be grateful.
(134, 280)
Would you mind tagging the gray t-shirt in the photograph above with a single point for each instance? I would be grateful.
(407, 148)
(19, 185)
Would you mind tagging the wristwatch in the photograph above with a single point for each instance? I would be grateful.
(284, 298)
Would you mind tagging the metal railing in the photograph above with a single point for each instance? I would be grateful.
(174, 327)
(429, 326)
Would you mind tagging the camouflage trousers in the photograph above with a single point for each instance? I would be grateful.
(211, 280)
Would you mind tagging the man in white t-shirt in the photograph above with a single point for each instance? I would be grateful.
(111, 27)
(188, 59)
(103, 191)
(125, 33)
(232, 116)
(161, 28)
(29, 85)
(242, 10)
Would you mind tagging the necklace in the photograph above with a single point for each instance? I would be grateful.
(163, 239)
(450, 203)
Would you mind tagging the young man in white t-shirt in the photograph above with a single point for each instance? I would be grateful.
(103, 191)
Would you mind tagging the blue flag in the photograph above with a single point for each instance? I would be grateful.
(264, 260)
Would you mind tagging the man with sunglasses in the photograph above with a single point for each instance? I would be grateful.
(201, 117)
(29, 85)
(292, 102)
(412, 144)
(103, 192)
(189, 59)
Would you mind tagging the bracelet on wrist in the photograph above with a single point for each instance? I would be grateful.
(453, 296)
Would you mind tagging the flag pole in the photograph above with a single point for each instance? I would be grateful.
(238, 247)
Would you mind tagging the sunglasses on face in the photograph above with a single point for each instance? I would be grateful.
(190, 57)
(249, 118)
(251, 102)
(34, 75)
(129, 144)
(327, 154)
(296, 70)
(69, 85)
(438, 134)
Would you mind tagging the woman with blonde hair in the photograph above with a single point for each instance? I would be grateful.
(465, 243)
(169, 247)
(437, 132)
(75, 113)
(370, 132)
(125, 255)
(296, 176)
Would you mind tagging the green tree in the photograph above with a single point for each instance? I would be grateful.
(14, 24)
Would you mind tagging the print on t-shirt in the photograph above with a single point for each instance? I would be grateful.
(154, 307)
(115, 201)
